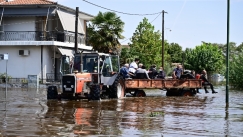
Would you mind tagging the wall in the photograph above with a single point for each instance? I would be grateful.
(22, 66)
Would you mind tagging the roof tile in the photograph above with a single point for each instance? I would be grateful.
(26, 2)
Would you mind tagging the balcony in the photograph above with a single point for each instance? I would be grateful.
(41, 36)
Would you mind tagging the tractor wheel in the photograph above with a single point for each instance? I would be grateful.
(139, 93)
(52, 92)
(95, 92)
(187, 93)
(117, 88)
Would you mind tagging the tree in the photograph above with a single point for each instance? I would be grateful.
(126, 56)
(235, 71)
(104, 32)
(205, 56)
(146, 44)
(174, 50)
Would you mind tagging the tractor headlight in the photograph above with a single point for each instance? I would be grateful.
(64, 86)
(71, 86)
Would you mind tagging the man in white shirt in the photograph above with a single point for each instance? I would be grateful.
(133, 66)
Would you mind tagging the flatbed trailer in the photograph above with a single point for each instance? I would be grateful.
(173, 87)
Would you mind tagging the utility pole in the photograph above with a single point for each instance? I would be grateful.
(163, 41)
(76, 30)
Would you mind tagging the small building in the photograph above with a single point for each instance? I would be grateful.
(39, 37)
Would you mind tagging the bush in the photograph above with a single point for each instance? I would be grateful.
(3, 77)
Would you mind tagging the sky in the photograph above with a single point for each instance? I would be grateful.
(187, 22)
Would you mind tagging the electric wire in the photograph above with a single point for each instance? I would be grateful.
(120, 11)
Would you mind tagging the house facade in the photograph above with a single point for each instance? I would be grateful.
(39, 37)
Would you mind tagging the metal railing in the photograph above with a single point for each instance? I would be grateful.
(53, 77)
(62, 36)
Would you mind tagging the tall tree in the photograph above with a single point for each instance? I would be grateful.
(104, 32)
(146, 44)
(205, 56)
(174, 50)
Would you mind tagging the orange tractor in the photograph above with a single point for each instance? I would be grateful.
(95, 75)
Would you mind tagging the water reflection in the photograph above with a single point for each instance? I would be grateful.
(155, 115)
(129, 116)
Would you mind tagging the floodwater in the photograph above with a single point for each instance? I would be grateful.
(28, 113)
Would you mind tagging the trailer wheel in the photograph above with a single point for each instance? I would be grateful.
(52, 92)
(95, 92)
(139, 93)
(117, 88)
(187, 93)
(173, 92)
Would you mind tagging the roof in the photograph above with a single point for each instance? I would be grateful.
(26, 2)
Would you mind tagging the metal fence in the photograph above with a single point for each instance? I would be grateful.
(62, 36)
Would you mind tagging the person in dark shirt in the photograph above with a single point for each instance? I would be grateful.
(177, 72)
(152, 72)
(161, 74)
(206, 82)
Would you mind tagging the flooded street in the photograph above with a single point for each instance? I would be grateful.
(28, 113)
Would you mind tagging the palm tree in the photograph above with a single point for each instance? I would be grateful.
(105, 31)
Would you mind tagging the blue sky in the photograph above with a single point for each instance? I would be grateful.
(190, 21)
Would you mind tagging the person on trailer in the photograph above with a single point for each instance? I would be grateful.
(124, 71)
(177, 72)
(153, 72)
(140, 66)
(142, 73)
(133, 66)
(205, 82)
(161, 74)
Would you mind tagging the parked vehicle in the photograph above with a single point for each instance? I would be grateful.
(217, 77)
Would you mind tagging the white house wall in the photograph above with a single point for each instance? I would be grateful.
(22, 66)
(19, 24)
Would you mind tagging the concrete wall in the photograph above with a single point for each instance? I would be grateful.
(22, 66)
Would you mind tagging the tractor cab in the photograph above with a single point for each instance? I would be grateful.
(105, 65)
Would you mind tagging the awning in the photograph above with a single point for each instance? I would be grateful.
(68, 22)
(27, 11)
(67, 52)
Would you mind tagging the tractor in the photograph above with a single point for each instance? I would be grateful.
(94, 76)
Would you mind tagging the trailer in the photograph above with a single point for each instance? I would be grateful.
(173, 87)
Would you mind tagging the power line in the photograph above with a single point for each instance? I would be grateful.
(120, 11)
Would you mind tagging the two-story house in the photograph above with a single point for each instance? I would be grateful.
(39, 37)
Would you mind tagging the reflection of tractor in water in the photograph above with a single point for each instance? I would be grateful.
(96, 76)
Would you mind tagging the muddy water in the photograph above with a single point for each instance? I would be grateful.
(28, 113)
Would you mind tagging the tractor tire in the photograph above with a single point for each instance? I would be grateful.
(95, 92)
(117, 89)
(139, 93)
(52, 92)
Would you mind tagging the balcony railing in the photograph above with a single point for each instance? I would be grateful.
(41, 36)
